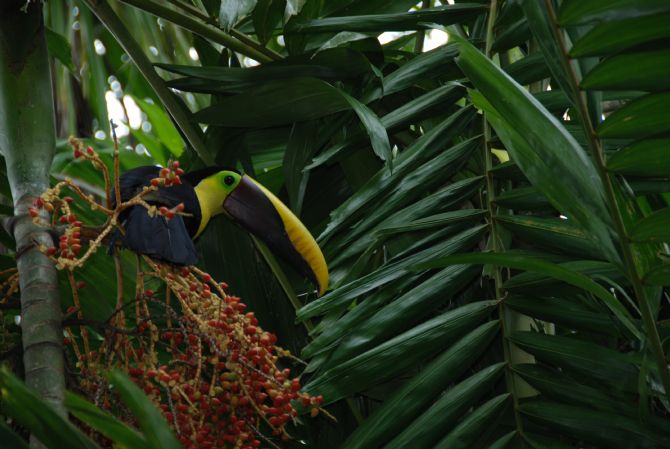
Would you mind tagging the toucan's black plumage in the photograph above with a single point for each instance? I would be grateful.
(206, 193)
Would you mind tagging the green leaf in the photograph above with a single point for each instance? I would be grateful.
(525, 262)
(524, 198)
(642, 117)
(528, 70)
(156, 430)
(10, 440)
(503, 441)
(343, 295)
(437, 220)
(537, 142)
(565, 312)
(576, 12)
(404, 311)
(614, 36)
(104, 422)
(648, 157)
(558, 181)
(474, 425)
(409, 401)
(52, 429)
(610, 430)
(266, 16)
(60, 49)
(278, 102)
(398, 354)
(428, 428)
(298, 150)
(645, 70)
(375, 129)
(590, 361)
(293, 7)
(423, 149)
(653, 228)
(162, 126)
(412, 20)
(233, 10)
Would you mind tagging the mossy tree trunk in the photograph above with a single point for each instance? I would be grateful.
(27, 141)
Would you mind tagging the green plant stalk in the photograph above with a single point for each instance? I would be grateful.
(248, 48)
(112, 22)
(233, 32)
(508, 319)
(27, 141)
(421, 34)
(598, 157)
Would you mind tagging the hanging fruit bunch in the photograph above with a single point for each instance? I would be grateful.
(196, 351)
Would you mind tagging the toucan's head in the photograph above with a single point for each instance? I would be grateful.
(260, 212)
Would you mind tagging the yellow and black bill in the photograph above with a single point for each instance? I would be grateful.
(260, 212)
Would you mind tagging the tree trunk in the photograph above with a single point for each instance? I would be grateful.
(27, 142)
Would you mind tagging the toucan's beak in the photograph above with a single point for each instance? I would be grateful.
(257, 210)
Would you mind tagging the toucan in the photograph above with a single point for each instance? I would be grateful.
(204, 194)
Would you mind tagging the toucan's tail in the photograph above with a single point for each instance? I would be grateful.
(159, 237)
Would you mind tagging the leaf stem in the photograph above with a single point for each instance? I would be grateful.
(507, 318)
(239, 43)
(421, 34)
(112, 22)
(629, 261)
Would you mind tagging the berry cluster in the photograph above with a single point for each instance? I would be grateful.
(196, 351)
(169, 176)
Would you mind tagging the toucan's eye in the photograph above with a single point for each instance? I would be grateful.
(229, 180)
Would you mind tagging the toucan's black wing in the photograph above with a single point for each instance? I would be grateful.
(158, 237)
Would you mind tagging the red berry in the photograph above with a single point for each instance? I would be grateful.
(77, 154)
(155, 182)
(148, 293)
(80, 285)
(90, 151)
(175, 164)
(33, 212)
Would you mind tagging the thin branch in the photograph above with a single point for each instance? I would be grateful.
(248, 47)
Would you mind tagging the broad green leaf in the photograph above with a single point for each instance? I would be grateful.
(266, 16)
(592, 362)
(645, 70)
(525, 262)
(275, 103)
(576, 12)
(352, 319)
(408, 402)
(555, 233)
(610, 430)
(428, 428)
(654, 228)
(293, 7)
(422, 150)
(647, 157)
(156, 430)
(10, 439)
(39, 417)
(375, 129)
(394, 356)
(595, 269)
(407, 310)
(412, 20)
(564, 184)
(474, 425)
(528, 70)
(549, 37)
(347, 293)
(103, 422)
(613, 36)
(537, 142)
(442, 219)
(408, 113)
(503, 441)
(642, 117)
(233, 10)
(60, 49)
(298, 149)
(524, 198)
(162, 126)
(512, 36)
(565, 312)
(544, 442)
(334, 64)
(558, 386)
(403, 205)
